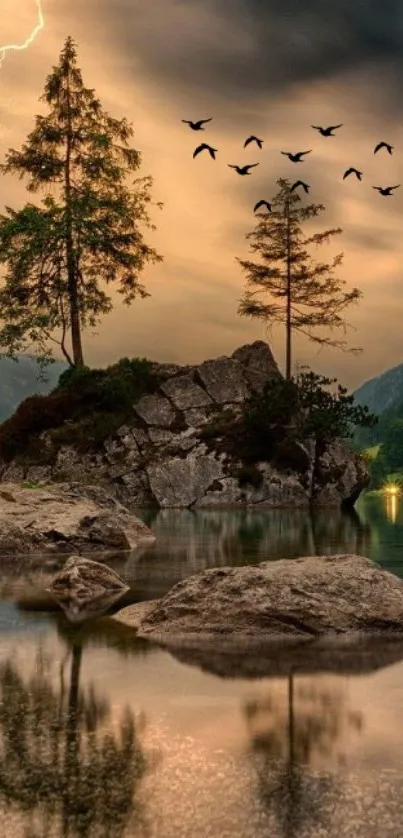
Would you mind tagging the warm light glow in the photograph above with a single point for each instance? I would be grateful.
(391, 489)
(31, 37)
(391, 508)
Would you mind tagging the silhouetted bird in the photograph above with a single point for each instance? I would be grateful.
(386, 190)
(296, 158)
(298, 183)
(205, 147)
(262, 204)
(383, 145)
(243, 170)
(252, 139)
(196, 126)
(352, 171)
(327, 132)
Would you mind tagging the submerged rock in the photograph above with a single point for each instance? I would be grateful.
(66, 517)
(86, 589)
(300, 599)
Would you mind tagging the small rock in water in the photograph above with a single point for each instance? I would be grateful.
(86, 589)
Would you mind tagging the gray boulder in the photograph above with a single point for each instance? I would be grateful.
(258, 364)
(86, 589)
(299, 600)
(340, 476)
(163, 455)
(66, 517)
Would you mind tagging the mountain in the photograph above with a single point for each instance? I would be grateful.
(19, 379)
(385, 392)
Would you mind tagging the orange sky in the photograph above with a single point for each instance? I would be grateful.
(160, 62)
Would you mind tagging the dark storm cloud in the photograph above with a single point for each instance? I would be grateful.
(265, 46)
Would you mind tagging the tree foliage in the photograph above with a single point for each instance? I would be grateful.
(288, 285)
(61, 256)
(310, 404)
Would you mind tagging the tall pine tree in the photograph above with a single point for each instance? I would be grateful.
(288, 286)
(61, 256)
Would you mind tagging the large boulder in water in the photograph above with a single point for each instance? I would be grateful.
(299, 599)
(86, 589)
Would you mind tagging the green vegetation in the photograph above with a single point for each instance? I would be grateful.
(87, 406)
(387, 465)
(371, 453)
(288, 411)
(382, 444)
(61, 256)
(303, 294)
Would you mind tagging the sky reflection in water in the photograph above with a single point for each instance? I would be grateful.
(105, 736)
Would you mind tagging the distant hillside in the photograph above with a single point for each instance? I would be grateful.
(19, 379)
(385, 392)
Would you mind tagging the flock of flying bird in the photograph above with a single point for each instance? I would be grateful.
(296, 157)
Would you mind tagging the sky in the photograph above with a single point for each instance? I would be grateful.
(260, 67)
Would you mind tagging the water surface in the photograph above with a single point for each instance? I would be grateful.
(106, 736)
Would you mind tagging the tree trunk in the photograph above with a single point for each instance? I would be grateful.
(71, 266)
(288, 296)
(71, 757)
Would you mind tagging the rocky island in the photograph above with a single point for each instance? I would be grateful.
(169, 446)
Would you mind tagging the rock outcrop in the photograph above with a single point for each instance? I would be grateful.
(301, 600)
(85, 589)
(65, 517)
(161, 457)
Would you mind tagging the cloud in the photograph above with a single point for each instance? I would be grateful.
(254, 48)
(270, 68)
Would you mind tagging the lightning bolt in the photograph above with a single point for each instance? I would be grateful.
(31, 37)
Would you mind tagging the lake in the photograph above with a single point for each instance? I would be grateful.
(106, 736)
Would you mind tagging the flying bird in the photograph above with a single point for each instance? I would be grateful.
(196, 126)
(262, 204)
(205, 147)
(298, 183)
(352, 171)
(296, 158)
(386, 190)
(327, 132)
(252, 139)
(383, 145)
(243, 170)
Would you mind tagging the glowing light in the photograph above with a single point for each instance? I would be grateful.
(31, 37)
(391, 489)
(391, 508)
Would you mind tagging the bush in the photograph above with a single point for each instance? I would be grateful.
(248, 475)
(329, 415)
(285, 412)
(85, 408)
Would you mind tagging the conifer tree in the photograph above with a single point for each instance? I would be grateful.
(288, 286)
(62, 255)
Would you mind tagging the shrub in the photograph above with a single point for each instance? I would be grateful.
(248, 475)
(328, 414)
(85, 408)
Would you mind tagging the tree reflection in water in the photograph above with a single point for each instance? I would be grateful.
(287, 746)
(61, 767)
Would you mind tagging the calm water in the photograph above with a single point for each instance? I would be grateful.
(104, 736)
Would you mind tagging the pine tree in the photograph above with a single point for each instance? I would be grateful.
(62, 255)
(303, 294)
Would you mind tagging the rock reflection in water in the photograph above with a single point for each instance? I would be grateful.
(291, 736)
(188, 541)
(63, 770)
